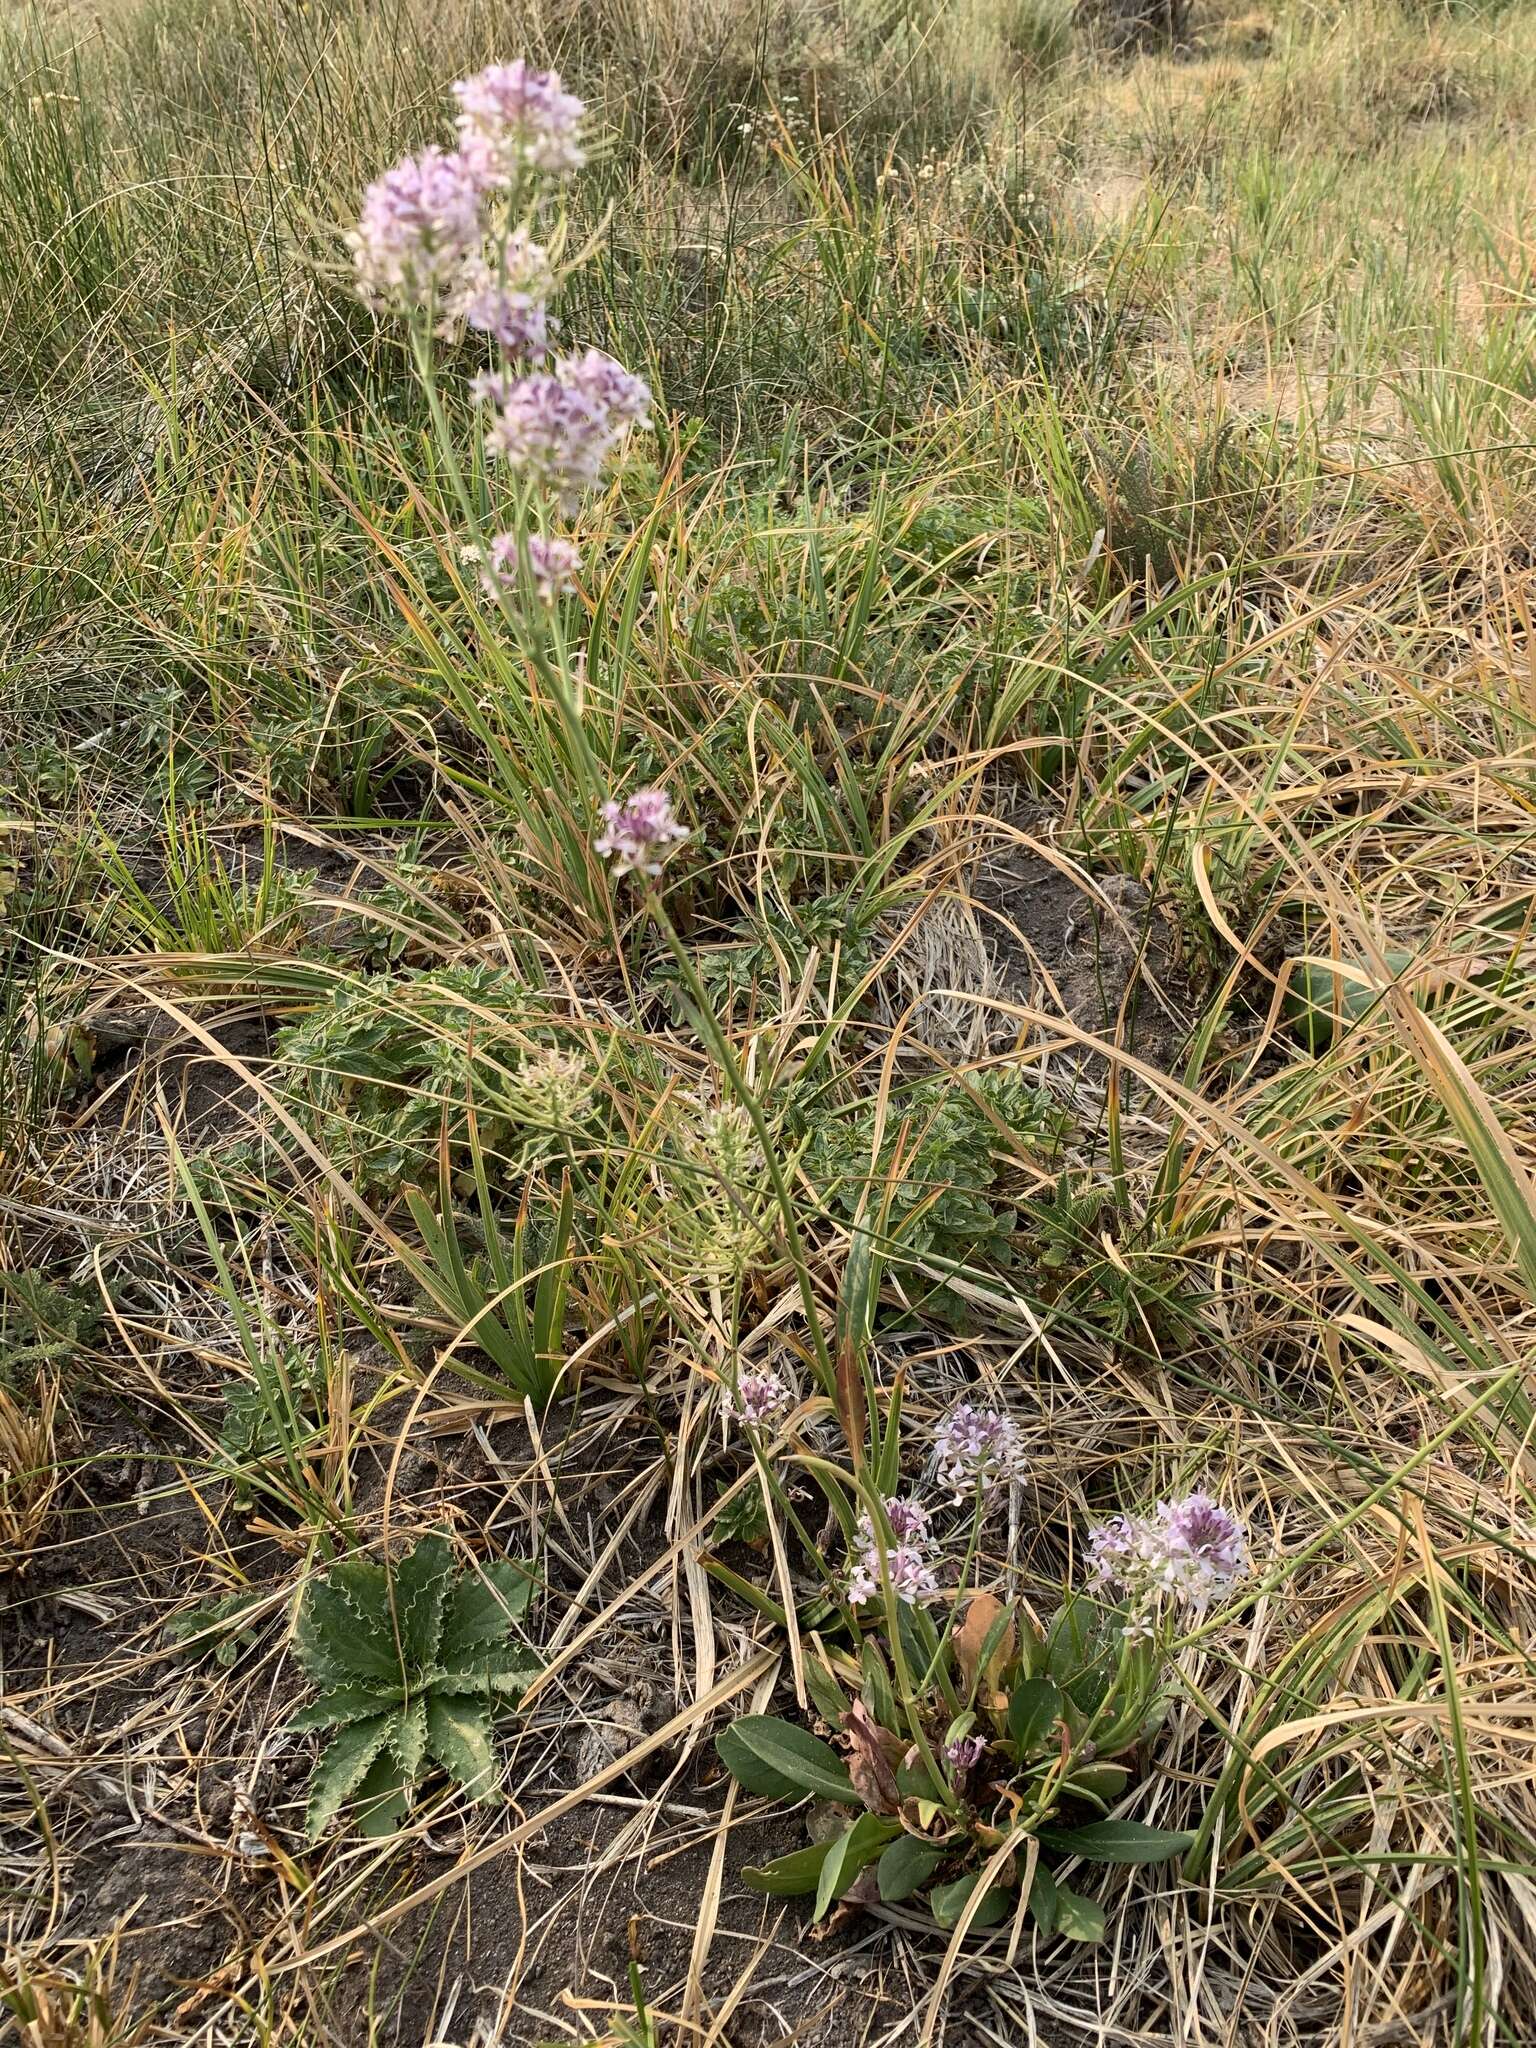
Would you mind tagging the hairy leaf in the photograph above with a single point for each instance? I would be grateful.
(337, 1708)
(459, 1736)
(383, 1797)
(480, 1609)
(342, 1768)
(408, 1738)
(421, 1586)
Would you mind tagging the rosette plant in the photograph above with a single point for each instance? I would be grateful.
(973, 1752)
(412, 1663)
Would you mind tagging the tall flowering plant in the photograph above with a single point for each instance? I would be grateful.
(470, 239)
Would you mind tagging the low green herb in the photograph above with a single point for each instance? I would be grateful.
(412, 1661)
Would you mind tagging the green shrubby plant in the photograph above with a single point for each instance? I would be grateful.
(941, 1168)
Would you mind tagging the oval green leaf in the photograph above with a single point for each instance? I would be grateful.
(906, 1866)
(1116, 1841)
(766, 1755)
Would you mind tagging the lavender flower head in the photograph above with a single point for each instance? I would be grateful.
(625, 400)
(760, 1396)
(1113, 1552)
(1191, 1551)
(965, 1752)
(552, 566)
(1199, 1550)
(907, 1558)
(506, 299)
(977, 1447)
(560, 427)
(420, 222)
(638, 832)
(513, 118)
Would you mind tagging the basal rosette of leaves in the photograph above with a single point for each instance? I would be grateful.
(977, 1752)
(1029, 1738)
(413, 1662)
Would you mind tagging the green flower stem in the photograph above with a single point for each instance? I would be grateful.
(791, 1515)
(909, 1697)
(939, 1667)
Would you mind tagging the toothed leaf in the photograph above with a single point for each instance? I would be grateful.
(510, 1672)
(342, 1767)
(384, 1796)
(421, 1587)
(408, 1738)
(481, 1609)
(342, 1705)
(344, 1632)
(459, 1737)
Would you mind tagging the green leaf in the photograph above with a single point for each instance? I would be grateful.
(347, 1703)
(509, 1671)
(791, 1876)
(420, 1588)
(1033, 1711)
(1116, 1841)
(1321, 1000)
(876, 1688)
(408, 1738)
(1044, 1899)
(383, 1797)
(771, 1756)
(919, 1637)
(344, 1631)
(1079, 1655)
(459, 1736)
(341, 1769)
(906, 1866)
(1077, 1918)
(913, 1782)
(1102, 1782)
(830, 1701)
(849, 1853)
(482, 1607)
(949, 1901)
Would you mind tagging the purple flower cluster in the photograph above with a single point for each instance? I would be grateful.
(1190, 1551)
(908, 1561)
(760, 1396)
(638, 832)
(965, 1752)
(513, 118)
(422, 235)
(977, 1447)
(559, 428)
(552, 565)
(420, 223)
(506, 300)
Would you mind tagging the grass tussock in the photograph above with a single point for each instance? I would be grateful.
(1074, 598)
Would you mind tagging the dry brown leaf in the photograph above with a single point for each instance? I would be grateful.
(971, 1640)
